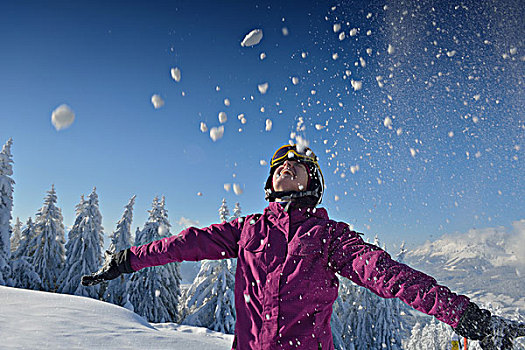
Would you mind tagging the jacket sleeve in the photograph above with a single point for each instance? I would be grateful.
(371, 267)
(215, 242)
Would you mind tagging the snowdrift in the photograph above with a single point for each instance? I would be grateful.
(40, 320)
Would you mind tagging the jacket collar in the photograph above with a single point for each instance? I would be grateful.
(277, 210)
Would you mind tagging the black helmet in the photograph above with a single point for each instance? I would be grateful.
(313, 195)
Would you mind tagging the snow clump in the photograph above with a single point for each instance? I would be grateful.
(263, 88)
(357, 85)
(268, 125)
(252, 38)
(204, 127)
(222, 117)
(157, 101)
(237, 189)
(175, 74)
(337, 27)
(62, 117)
(295, 80)
(216, 133)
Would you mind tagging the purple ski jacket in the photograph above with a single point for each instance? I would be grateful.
(286, 283)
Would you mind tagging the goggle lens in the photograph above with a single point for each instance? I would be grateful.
(290, 152)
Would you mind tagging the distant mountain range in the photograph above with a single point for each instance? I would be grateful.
(487, 265)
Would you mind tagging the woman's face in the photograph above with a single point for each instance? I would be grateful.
(290, 176)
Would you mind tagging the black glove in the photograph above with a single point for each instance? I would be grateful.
(115, 264)
(494, 332)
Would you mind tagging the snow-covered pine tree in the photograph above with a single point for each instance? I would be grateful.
(155, 291)
(346, 310)
(24, 275)
(210, 299)
(48, 243)
(236, 211)
(365, 323)
(15, 235)
(117, 289)
(6, 207)
(414, 342)
(224, 212)
(83, 248)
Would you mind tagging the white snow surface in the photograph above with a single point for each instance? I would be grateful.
(41, 320)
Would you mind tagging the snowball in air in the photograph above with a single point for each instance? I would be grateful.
(390, 49)
(337, 27)
(263, 162)
(222, 117)
(353, 32)
(227, 102)
(285, 31)
(216, 133)
(252, 38)
(62, 117)
(175, 74)
(357, 85)
(263, 88)
(157, 101)
(227, 187)
(237, 189)
(204, 127)
(387, 122)
(295, 80)
(268, 125)
(262, 56)
(342, 36)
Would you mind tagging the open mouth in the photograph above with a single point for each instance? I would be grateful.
(287, 171)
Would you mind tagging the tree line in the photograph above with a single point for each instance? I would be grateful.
(36, 255)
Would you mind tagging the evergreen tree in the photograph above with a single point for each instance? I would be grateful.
(83, 248)
(236, 211)
(414, 342)
(15, 235)
(155, 291)
(6, 207)
(117, 289)
(48, 243)
(224, 212)
(24, 275)
(210, 300)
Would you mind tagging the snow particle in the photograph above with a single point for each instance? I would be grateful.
(237, 189)
(353, 32)
(262, 56)
(268, 125)
(157, 101)
(285, 31)
(62, 117)
(223, 117)
(263, 162)
(357, 85)
(342, 36)
(175, 74)
(247, 298)
(252, 38)
(337, 27)
(263, 88)
(216, 133)
(295, 80)
(390, 49)
(227, 102)
(227, 187)
(204, 127)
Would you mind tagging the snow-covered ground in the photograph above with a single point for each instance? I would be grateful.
(40, 320)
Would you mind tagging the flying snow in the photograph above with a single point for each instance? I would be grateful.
(175, 74)
(263, 88)
(357, 85)
(222, 117)
(216, 133)
(263, 162)
(227, 187)
(262, 56)
(390, 49)
(295, 80)
(237, 189)
(227, 102)
(337, 27)
(252, 38)
(62, 117)
(268, 125)
(204, 127)
(157, 101)
(285, 31)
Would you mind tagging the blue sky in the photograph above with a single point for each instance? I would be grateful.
(431, 143)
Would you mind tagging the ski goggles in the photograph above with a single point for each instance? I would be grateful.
(291, 152)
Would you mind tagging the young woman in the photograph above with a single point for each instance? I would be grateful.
(287, 260)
